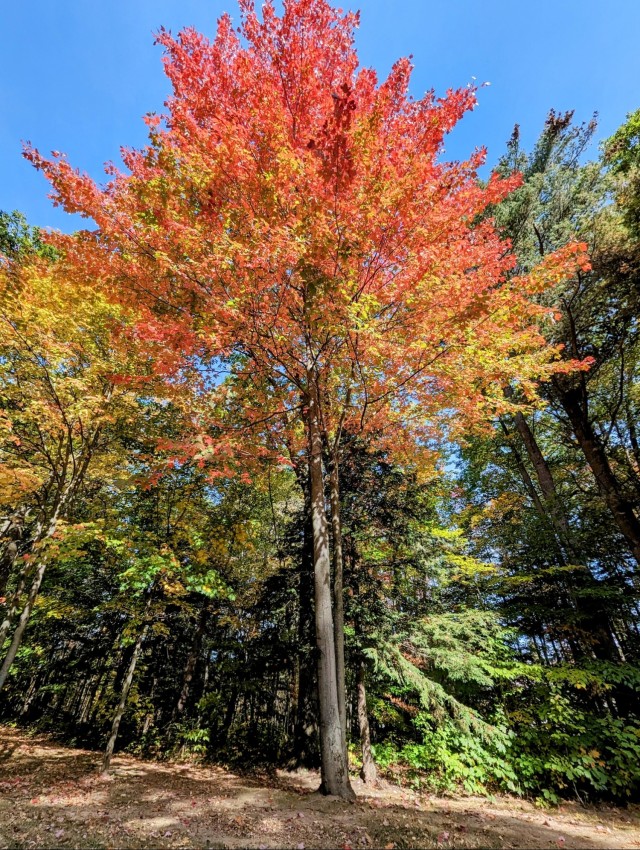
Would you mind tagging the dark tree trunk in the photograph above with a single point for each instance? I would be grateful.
(369, 772)
(192, 660)
(305, 749)
(545, 480)
(594, 620)
(633, 435)
(335, 774)
(222, 733)
(126, 687)
(524, 472)
(11, 532)
(622, 511)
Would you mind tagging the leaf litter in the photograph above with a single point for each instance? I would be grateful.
(53, 796)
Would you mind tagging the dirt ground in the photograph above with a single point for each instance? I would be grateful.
(52, 796)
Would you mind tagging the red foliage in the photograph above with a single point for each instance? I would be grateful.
(294, 214)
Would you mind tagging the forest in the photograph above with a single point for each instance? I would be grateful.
(318, 450)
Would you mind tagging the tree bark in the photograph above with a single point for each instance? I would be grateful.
(41, 538)
(338, 590)
(11, 532)
(126, 687)
(553, 504)
(596, 621)
(622, 511)
(335, 774)
(545, 480)
(12, 608)
(633, 434)
(304, 749)
(524, 472)
(190, 666)
(22, 622)
(44, 532)
(369, 772)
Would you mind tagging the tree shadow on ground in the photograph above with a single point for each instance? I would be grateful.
(54, 797)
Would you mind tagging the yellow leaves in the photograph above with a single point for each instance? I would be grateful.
(467, 567)
(54, 609)
(506, 507)
(60, 343)
(218, 550)
(200, 557)
(172, 587)
(17, 482)
(362, 313)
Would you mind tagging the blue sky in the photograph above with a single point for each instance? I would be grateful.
(77, 75)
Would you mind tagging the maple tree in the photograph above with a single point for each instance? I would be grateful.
(292, 239)
(60, 406)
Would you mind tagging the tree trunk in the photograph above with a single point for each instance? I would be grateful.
(190, 666)
(30, 694)
(12, 608)
(220, 736)
(41, 539)
(44, 533)
(11, 532)
(22, 622)
(335, 774)
(595, 620)
(304, 749)
(545, 480)
(369, 772)
(524, 472)
(338, 590)
(126, 687)
(574, 404)
(633, 435)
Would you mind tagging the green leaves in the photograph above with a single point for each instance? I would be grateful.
(622, 150)
(209, 584)
(18, 240)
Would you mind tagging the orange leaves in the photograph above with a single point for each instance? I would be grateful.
(556, 267)
(291, 216)
(77, 193)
